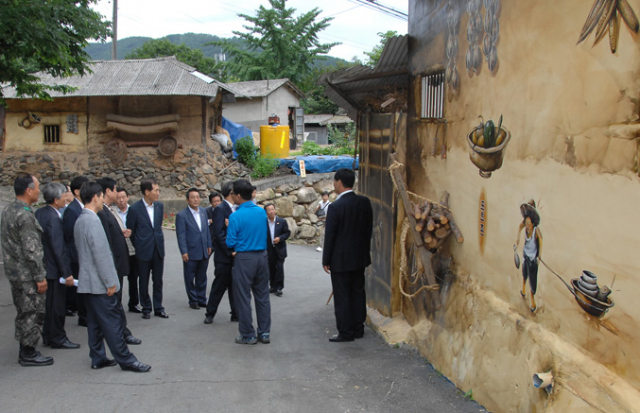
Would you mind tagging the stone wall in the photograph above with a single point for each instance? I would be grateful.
(296, 200)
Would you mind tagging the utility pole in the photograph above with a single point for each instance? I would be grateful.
(114, 38)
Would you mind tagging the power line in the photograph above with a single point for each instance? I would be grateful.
(389, 11)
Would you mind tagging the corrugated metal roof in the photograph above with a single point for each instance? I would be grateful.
(163, 77)
(262, 88)
(351, 86)
(325, 119)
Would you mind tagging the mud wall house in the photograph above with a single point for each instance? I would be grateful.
(127, 118)
(257, 100)
(572, 115)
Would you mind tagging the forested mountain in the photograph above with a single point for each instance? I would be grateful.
(102, 51)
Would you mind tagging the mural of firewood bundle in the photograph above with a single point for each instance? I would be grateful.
(435, 224)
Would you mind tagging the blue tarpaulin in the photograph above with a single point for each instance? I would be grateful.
(320, 163)
(236, 131)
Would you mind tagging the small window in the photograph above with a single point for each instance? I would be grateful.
(433, 95)
(51, 134)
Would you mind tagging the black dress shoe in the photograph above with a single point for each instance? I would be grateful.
(103, 364)
(66, 344)
(146, 316)
(279, 293)
(137, 367)
(135, 309)
(208, 319)
(202, 305)
(194, 306)
(359, 335)
(161, 314)
(339, 339)
(70, 313)
(272, 290)
(234, 317)
(132, 340)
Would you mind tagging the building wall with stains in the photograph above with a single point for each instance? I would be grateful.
(572, 111)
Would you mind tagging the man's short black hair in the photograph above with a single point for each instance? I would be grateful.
(147, 185)
(346, 176)
(192, 190)
(121, 189)
(213, 195)
(89, 190)
(268, 205)
(107, 183)
(243, 188)
(77, 182)
(22, 182)
(226, 189)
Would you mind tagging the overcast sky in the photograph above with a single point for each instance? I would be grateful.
(355, 26)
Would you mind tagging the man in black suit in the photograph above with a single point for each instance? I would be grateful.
(120, 211)
(71, 214)
(119, 249)
(194, 242)
(346, 254)
(56, 263)
(214, 200)
(145, 222)
(222, 256)
(276, 249)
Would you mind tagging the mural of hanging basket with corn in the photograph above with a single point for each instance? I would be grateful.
(487, 145)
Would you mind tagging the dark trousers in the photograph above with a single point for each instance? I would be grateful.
(350, 302)
(134, 300)
(250, 275)
(221, 283)
(105, 323)
(276, 271)
(55, 313)
(195, 280)
(74, 300)
(151, 269)
(123, 315)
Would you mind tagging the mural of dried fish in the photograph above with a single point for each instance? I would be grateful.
(606, 14)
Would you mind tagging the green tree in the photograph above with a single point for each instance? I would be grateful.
(45, 36)
(193, 57)
(374, 55)
(315, 101)
(277, 44)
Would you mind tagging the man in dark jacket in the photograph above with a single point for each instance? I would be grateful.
(118, 244)
(56, 263)
(145, 222)
(346, 254)
(222, 256)
(276, 249)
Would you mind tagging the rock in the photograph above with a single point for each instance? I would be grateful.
(293, 227)
(265, 195)
(284, 206)
(298, 211)
(313, 218)
(306, 195)
(207, 169)
(285, 188)
(305, 221)
(307, 231)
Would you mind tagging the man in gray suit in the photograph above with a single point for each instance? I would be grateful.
(98, 281)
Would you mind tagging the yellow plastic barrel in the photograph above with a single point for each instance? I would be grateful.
(274, 141)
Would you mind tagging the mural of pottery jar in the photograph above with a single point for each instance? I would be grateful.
(487, 158)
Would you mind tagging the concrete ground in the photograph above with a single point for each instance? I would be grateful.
(199, 368)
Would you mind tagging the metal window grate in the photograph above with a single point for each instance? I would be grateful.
(433, 96)
(51, 133)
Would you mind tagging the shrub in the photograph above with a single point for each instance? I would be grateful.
(311, 148)
(264, 167)
(246, 150)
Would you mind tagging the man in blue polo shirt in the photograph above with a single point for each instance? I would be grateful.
(247, 236)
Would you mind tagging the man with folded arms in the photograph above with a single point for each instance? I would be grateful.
(57, 265)
(98, 280)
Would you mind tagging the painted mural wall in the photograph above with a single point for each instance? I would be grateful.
(546, 190)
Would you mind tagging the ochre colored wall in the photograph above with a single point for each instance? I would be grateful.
(572, 111)
(18, 138)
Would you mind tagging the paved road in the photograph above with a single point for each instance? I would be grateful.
(199, 368)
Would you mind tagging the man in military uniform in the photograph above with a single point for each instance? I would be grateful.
(24, 268)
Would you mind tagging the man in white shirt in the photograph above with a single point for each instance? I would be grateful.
(121, 210)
